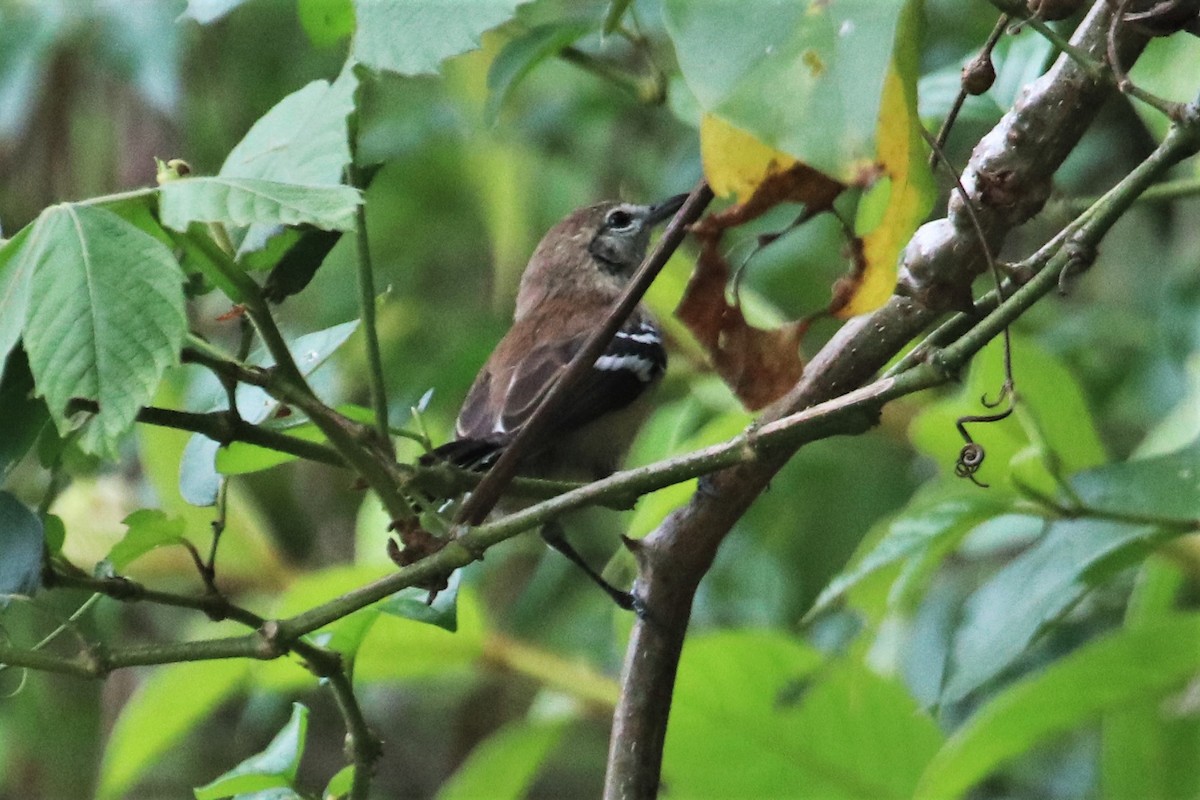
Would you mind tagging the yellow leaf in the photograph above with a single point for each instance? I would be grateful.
(735, 162)
(902, 158)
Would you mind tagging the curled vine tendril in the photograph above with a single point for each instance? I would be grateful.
(970, 457)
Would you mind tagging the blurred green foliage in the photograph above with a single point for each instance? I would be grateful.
(977, 638)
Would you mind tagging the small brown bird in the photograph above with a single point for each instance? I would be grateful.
(568, 289)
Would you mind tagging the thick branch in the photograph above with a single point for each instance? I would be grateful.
(1009, 179)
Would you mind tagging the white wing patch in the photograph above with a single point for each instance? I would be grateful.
(642, 367)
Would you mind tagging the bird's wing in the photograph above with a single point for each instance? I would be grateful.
(498, 405)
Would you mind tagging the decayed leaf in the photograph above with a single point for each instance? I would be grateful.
(759, 365)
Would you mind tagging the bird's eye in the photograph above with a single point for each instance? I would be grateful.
(619, 219)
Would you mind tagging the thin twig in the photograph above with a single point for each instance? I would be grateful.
(366, 310)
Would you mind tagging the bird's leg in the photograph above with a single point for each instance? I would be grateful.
(553, 535)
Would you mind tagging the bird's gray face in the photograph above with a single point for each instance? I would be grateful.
(620, 243)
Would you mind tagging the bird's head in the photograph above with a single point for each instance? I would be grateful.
(593, 251)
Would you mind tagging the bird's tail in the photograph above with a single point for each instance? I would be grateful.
(473, 454)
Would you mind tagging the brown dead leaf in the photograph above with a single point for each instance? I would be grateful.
(758, 365)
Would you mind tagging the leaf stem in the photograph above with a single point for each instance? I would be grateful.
(366, 308)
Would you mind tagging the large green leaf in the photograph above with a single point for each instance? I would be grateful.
(795, 727)
(947, 513)
(503, 766)
(1130, 665)
(1032, 591)
(414, 36)
(249, 201)
(274, 767)
(1163, 488)
(803, 77)
(21, 542)
(303, 140)
(105, 317)
(165, 708)
(1149, 747)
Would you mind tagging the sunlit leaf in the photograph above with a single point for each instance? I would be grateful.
(274, 767)
(415, 37)
(326, 22)
(735, 162)
(173, 701)
(105, 317)
(1132, 664)
(503, 766)
(247, 201)
(303, 140)
(773, 694)
(1051, 414)
(148, 528)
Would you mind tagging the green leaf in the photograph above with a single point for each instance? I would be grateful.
(1004, 615)
(1052, 416)
(198, 478)
(1165, 488)
(274, 767)
(340, 784)
(326, 22)
(1127, 666)
(933, 518)
(209, 11)
(1149, 747)
(247, 201)
(413, 37)
(303, 140)
(165, 708)
(148, 528)
(399, 649)
(519, 56)
(14, 290)
(24, 415)
(411, 604)
(504, 765)
(105, 317)
(21, 541)
(803, 77)
(793, 725)
(1167, 68)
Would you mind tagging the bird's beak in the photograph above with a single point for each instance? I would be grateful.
(666, 209)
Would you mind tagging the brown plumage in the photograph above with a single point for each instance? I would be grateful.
(571, 282)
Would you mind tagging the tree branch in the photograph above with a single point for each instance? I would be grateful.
(1008, 178)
